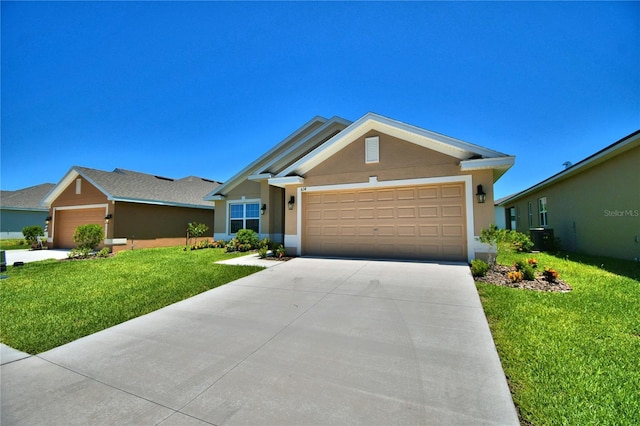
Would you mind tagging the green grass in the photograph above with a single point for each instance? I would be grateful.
(14, 244)
(49, 303)
(572, 358)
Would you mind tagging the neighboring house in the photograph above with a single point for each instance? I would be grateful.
(592, 206)
(374, 188)
(499, 212)
(22, 208)
(136, 209)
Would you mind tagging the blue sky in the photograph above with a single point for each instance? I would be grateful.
(203, 88)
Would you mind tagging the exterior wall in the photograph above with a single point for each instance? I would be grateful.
(148, 225)
(12, 221)
(399, 160)
(595, 212)
(271, 222)
(89, 194)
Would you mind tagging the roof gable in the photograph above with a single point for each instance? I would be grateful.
(299, 143)
(617, 148)
(26, 198)
(467, 153)
(136, 187)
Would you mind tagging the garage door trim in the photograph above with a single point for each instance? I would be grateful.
(81, 207)
(374, 183)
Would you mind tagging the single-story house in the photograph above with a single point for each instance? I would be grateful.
(22, 208)
(372, 188)
(136, 209)
(592, 206)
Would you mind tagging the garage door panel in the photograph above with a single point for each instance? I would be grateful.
(385, 213)
(452, 211)
(406, 212)
(451, 191)
(426, 222)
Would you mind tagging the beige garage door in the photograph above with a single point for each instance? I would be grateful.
(425, 222)
(66, 222)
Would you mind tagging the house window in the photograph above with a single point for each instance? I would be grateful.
(372, 150)
(512, 219)
(244, 216)
(542, 211)
(530, 208)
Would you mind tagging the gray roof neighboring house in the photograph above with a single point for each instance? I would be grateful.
(25, 199)
(135, 187)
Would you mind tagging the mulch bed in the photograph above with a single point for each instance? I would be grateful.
(497, 275)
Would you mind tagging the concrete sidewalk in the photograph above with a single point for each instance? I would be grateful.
(312, 341)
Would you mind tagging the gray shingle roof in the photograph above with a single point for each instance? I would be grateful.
(27, 198)
(127, 185)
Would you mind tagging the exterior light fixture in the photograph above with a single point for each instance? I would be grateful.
(107, 217)
(263, 209)
(291, 202)
(47, 220)
(480, 195)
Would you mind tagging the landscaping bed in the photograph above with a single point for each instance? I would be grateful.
(499, 275)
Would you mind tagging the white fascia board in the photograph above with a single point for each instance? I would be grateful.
(425, 138)
(217, 197)
(487, 163)
(282, 182)
(595, 159)
(68, 178)
(261, 161)
(162, 203)
(286, 155)
(260, 176)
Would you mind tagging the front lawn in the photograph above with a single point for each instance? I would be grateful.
(46, 304)
(14, 244)
(571, 358)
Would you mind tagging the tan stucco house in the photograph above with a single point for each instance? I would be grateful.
(593, 206)
(136, 210)
(373, 188)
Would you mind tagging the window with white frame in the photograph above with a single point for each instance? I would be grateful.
(530, 208)
(244, 216)
(542, 211)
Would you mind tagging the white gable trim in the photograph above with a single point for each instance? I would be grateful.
(67, 180)
(425, 138)
(282, 182)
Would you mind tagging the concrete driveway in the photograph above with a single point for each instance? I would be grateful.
(310, 341)
(27, 256)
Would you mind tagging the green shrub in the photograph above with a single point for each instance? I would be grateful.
(280, 251)
(88, 236)
(104, 252)
(248, 237)
(505, 240)
(196, 230)
(262, 252)
(479, 268)
(528, 273)
(79, 253)
(31, 233)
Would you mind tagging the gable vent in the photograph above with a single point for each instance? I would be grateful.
(372, 149)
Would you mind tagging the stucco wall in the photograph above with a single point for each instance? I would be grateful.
(146, 221)
(595, 212)
(89, 194)
(12, 221)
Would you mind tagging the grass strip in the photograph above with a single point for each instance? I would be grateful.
(47, 304)
(571, 358)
